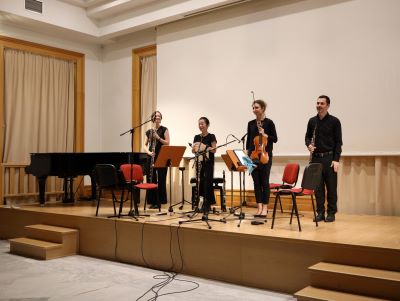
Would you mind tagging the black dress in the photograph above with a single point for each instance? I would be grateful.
(159, 174)
(261, 174)
(207, 171)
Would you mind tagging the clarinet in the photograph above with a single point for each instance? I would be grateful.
(198, 197)
(153, 149)
(312, 143)
(198, 171)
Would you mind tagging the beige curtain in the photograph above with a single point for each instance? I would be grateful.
(39, 105)
(369, 185)
(148, 90)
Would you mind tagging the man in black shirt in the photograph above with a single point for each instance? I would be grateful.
(324, 141)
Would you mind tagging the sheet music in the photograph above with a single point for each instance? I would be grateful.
(241, 155)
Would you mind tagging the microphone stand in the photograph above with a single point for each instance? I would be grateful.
(204, 218)
(244, 203)
(133, 213)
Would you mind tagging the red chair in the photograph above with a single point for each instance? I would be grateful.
(134, 178)
(289, 179)
(311, 179)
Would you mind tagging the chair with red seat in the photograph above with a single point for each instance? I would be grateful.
(133, 175)
(289, 179)
(311, 179)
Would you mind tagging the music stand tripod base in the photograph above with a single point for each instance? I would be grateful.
(204, 218)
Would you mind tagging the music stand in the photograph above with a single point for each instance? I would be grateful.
(182, 169)
(230, 166)
(169, 156)
(236, 165)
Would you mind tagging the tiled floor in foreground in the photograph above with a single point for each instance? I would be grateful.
(84, 278)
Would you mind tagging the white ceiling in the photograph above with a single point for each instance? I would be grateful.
(103, 9)
(103, 21)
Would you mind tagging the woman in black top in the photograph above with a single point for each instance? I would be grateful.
(155, 138)
(261, 173)
(208, 142)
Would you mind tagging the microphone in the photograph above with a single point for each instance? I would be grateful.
(236, 138)
(200, 204)
(244, 136)
(190, 144)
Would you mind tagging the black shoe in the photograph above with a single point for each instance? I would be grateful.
(330, 218)
(320, 217)
(154, 207)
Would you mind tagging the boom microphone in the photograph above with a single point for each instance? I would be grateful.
(236, 138)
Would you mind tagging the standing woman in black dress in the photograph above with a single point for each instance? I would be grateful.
(266, 127)
(155, 138)
(206, 141)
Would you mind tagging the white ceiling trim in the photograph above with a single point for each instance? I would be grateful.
(105, 20)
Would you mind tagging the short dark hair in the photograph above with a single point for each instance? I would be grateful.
(153, 115)
(205, 120)
(260, 102)
(327, 99)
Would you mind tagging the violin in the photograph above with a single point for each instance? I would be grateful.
(259, 153)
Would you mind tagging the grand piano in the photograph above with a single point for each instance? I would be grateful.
(70, 165)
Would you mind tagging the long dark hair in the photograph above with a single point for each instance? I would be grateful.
(205, 120)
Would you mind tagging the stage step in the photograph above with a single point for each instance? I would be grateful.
(311, 293)
(356, 280)
(46, 242)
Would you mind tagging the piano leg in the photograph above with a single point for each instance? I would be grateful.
(68, 190)
(42, 189)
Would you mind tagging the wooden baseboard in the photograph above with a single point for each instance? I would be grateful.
(303, 203)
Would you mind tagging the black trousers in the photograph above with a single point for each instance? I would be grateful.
(328, 180)
(206, 184)
(261, 182)
(159, 177)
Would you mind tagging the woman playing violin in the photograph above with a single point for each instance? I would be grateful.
(206, 141)
(261, 135)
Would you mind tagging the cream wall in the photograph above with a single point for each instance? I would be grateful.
(116, 90)
(289, 52)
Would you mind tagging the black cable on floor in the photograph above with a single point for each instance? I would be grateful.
(167, 277)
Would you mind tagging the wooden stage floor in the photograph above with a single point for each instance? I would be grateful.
(252, 255)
